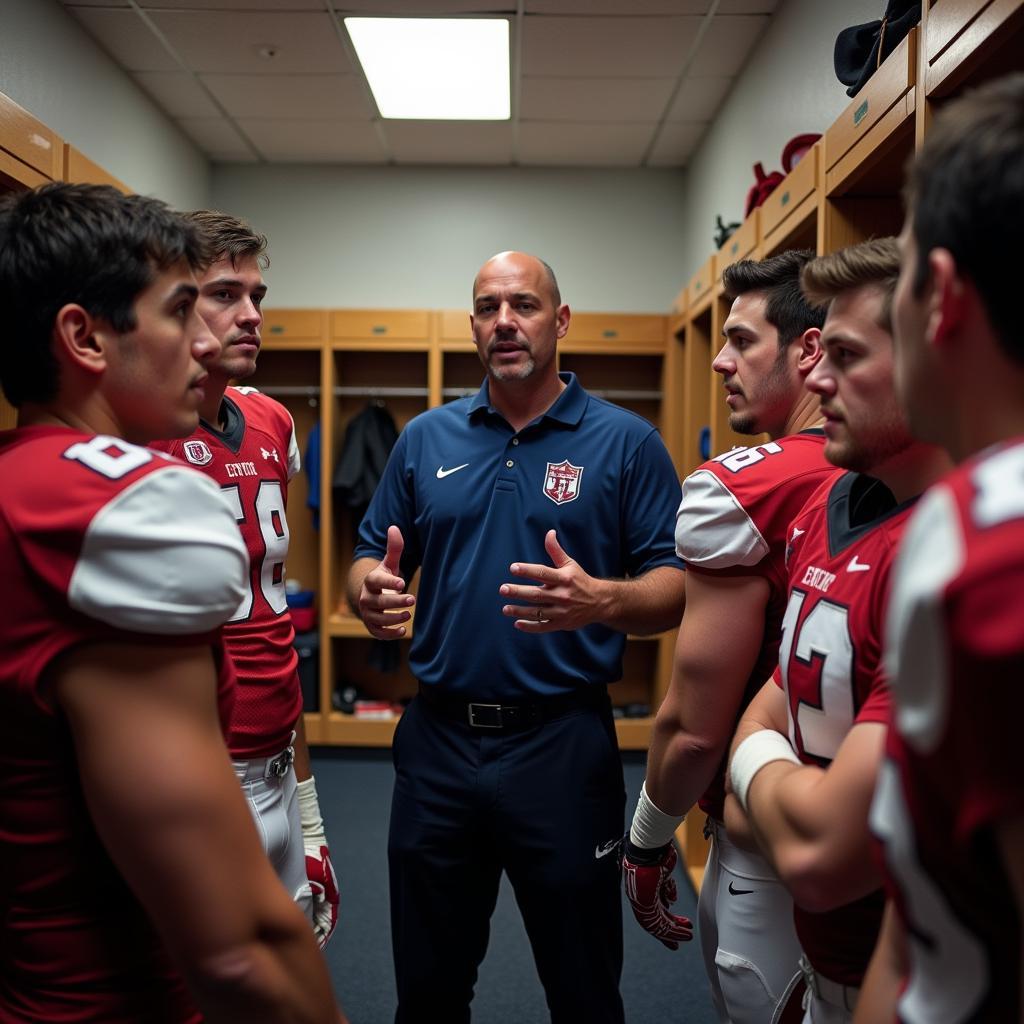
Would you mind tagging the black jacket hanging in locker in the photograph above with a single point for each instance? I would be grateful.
(369, 438)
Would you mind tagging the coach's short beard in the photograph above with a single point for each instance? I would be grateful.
(520, 372)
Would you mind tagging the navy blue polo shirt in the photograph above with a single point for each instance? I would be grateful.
(471, 496)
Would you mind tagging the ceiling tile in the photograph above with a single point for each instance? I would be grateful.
(178, 93)
(596, 76)
(747, 6)
(727, 44)
(127, 38)
(698, 99)
(311, 97)
(618, 7)
(236, 5)
(584, 145)
(223, 42)
(449, 142)
(593, 99)
(216, 137)
(297, 141)
(606, 47)
(675, 144)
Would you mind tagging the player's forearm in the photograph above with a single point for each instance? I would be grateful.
(680, 764)
(816, 840)
(648, 604)
(278, 978)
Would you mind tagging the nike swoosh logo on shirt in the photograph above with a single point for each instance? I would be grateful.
(603, 851)
(855, 566)
(738, 892)
(442, 472)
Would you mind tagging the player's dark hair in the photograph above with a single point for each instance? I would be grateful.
(84, 244)
(874, 262)
(778, 277)
(228, 237)
(965, 193)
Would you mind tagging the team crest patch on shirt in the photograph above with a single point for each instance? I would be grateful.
(198, 453)
(562, 481)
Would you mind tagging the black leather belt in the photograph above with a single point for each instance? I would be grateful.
(483, 715)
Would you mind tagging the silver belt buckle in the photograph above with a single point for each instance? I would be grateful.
(474, 709)
(277, 767)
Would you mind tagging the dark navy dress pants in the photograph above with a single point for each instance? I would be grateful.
(543, 803)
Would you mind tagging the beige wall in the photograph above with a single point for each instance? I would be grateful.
(788, 87)
(414, 237)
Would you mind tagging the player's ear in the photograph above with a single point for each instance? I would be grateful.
(948, 295)
(809, 350)
(79, 338)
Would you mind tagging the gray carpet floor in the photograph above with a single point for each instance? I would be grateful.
(658, 985)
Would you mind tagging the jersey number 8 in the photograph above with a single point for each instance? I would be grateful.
(269, 510)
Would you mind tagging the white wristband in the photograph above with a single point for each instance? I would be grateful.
(309, 811)
(757, 750)
(652, 827)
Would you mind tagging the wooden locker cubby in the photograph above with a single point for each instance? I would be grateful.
(967, 42)
(789, 216)
(866, 151)
(30, 153)
(389, 364)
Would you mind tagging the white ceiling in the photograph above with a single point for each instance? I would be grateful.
(599, 83)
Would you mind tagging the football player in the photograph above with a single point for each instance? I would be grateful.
(731, 530)
(246, 442)
(949, 803)
(128, 853)
(807, 749)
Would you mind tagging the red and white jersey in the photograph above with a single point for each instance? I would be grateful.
(733, 520)
(99, 541)
(840, 555)
(955, 656)
(252, 460)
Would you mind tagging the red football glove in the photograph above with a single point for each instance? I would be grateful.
(326, 899)
(651, 890)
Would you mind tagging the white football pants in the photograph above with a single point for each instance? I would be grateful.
(749, 944)
(273, 801)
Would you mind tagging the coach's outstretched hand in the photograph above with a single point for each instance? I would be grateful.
(567, 597)
(651, 890)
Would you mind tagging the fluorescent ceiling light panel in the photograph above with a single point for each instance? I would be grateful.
(453, 69)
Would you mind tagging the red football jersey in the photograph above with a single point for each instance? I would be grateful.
(733, 519)
(252, 460)
(840, 554)
(955, 657)
(99, 541)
